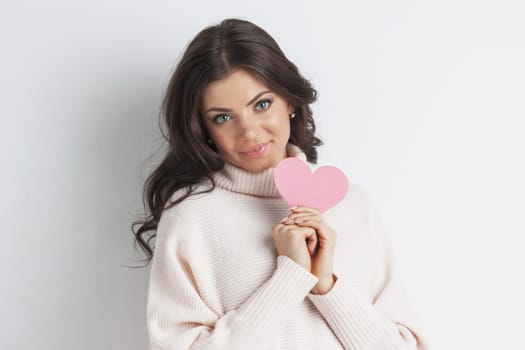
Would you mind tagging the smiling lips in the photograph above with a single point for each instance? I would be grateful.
(257, 150)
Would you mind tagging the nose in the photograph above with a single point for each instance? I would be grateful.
(248, 127)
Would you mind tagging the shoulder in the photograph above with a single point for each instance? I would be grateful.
(189, 214)
(196, 193)
(358, 198)
(364, 198)
(357, 212)
(357, 193)
(364, 210)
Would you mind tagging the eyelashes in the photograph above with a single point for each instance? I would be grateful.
(266, 103)
(267, 100)
(217, 119)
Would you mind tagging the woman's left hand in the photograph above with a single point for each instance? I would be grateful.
(322, 253)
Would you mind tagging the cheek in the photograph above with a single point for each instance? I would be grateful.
(283, 127)
(223, 138)
(279, 120)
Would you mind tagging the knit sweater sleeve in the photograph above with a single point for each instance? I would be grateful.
(385, 323)
(178, 317)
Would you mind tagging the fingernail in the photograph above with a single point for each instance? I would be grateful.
(294, 207)
(283, 219)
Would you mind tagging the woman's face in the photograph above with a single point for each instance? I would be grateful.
(249, 123)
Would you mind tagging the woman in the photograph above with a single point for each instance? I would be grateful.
(228, 271)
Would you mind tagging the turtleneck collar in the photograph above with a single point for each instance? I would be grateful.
(261, 184)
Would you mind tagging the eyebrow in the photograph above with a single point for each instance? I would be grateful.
(221, 109)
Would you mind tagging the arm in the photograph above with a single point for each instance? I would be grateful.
(179, 318)
(384, 323)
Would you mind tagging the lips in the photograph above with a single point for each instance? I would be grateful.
(254, 148)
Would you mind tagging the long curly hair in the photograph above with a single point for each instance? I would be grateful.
(212, 55)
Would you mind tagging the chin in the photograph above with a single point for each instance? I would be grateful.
(257, 165)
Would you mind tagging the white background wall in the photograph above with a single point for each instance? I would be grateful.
(420, 102)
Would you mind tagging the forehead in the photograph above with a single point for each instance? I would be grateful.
(238, 87)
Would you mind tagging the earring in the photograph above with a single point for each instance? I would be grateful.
(292, 115)
(210, 141)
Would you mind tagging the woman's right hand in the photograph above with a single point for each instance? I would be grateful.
(295, 242)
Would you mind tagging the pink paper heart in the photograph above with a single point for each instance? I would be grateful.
(322, 189)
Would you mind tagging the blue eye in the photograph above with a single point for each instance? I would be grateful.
(265, 103)
(218, 119)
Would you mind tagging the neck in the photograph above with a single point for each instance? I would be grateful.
(261, 184)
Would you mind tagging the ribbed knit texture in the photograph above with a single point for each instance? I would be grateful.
(235, 179)
(217, 283)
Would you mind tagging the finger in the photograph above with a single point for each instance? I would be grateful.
(306, 231)
(308, 222)
(306, 234)
(316, 225)
(301, 216)
(288, 219)
(312, 244)
(310, 233)
(279, 226)
(305, 218)
(325, 237)
(302, 208)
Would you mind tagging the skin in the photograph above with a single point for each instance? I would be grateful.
(235, 122)
(321, 249)
(245, 126)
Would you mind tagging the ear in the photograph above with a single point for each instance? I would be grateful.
(290, 109)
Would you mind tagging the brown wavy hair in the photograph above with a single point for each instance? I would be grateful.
(212, 55)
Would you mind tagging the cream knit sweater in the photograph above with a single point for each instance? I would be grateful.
(216, 281)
